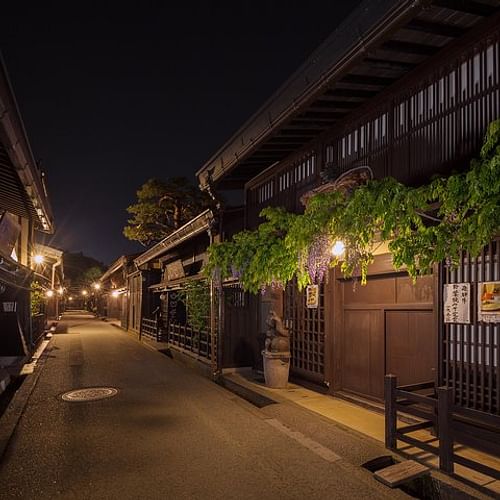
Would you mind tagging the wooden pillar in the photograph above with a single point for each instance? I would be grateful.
(390, 386)
(445, 406)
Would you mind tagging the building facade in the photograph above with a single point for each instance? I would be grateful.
(24, 209)
(407, 89)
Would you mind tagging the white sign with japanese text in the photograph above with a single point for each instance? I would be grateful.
(312, 296)
(457, 303)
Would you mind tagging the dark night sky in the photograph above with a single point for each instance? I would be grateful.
(113, 93)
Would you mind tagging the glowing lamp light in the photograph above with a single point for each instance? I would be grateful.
(84, 292)
(96, 286)
(338, 248)
(70, 298)
(38, 259)
(60, 291)
(114, 293)
(49, 293)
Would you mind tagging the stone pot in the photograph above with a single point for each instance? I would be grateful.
(276, 368)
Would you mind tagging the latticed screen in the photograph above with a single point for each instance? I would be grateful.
(471, 352)
(307, 333)
(177, 330)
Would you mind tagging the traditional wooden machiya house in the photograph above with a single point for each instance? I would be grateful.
(407, 89)
(181, 307)
(112, 292)
(49, 276)
(24, 209)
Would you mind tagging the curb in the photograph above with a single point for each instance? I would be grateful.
(15, 409)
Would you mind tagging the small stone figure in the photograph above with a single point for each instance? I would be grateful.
(277, 336)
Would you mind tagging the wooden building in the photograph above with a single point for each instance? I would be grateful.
(408, 89)
(49, 275)
(24, 209)
(112, 294)
(215, 335)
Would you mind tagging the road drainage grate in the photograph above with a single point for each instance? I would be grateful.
(89, 394)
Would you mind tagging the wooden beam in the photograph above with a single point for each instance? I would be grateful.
(334, 105)
(287, 140)
(320, 124)
(293, 131)
(402, 66)
(467, 6)
(365, 94)
(323, 115)
(410, 48)
(368, 80)
(434, 28)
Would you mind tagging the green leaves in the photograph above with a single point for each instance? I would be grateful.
(196, 297)
(423, 225)
(162, 207)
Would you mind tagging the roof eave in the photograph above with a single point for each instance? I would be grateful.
(195, 226)
(372, 19)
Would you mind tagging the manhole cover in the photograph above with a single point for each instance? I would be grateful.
(89, 394)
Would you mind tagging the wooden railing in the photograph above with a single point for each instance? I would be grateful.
(37, 327)
(183, 336)
(450, 423)
(150, 329)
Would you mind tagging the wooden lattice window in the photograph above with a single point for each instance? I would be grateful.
(471, 352)
(307, 333)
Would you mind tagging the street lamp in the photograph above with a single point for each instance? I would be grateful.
(49, 293)
(38, 259)
(115, 293)
(96, 286)
(84, 292)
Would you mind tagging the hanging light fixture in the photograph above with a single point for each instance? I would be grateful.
(338, 248)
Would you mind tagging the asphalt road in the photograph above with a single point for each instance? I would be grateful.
(169, 433)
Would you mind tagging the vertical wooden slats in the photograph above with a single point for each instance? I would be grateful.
(471, 352)
(438, 123)
(307, 332)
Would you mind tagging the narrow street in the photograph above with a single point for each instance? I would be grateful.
(168, 433)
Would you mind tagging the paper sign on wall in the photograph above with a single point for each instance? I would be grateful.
(457, 303)
(489, 302)
(312, 296)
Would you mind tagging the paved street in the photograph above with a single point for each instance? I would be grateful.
(169, 433)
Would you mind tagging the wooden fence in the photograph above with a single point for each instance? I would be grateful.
(37, 327)
(436, 409)
(150, 329)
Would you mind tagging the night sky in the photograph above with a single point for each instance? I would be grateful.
(114, 93)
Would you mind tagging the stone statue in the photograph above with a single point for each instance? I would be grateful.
(277, 336)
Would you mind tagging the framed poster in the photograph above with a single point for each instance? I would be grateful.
(457, 303)
(489, 302)
(312, 296)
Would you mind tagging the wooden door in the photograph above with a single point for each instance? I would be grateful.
(411, 348)
(387, 326)
(363, 359)
(238, 341)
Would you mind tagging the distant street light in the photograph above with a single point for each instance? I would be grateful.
(84, 292)
(114, 293)
(49, 293)
(96, 286)
(60, 291)
(70, 298)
